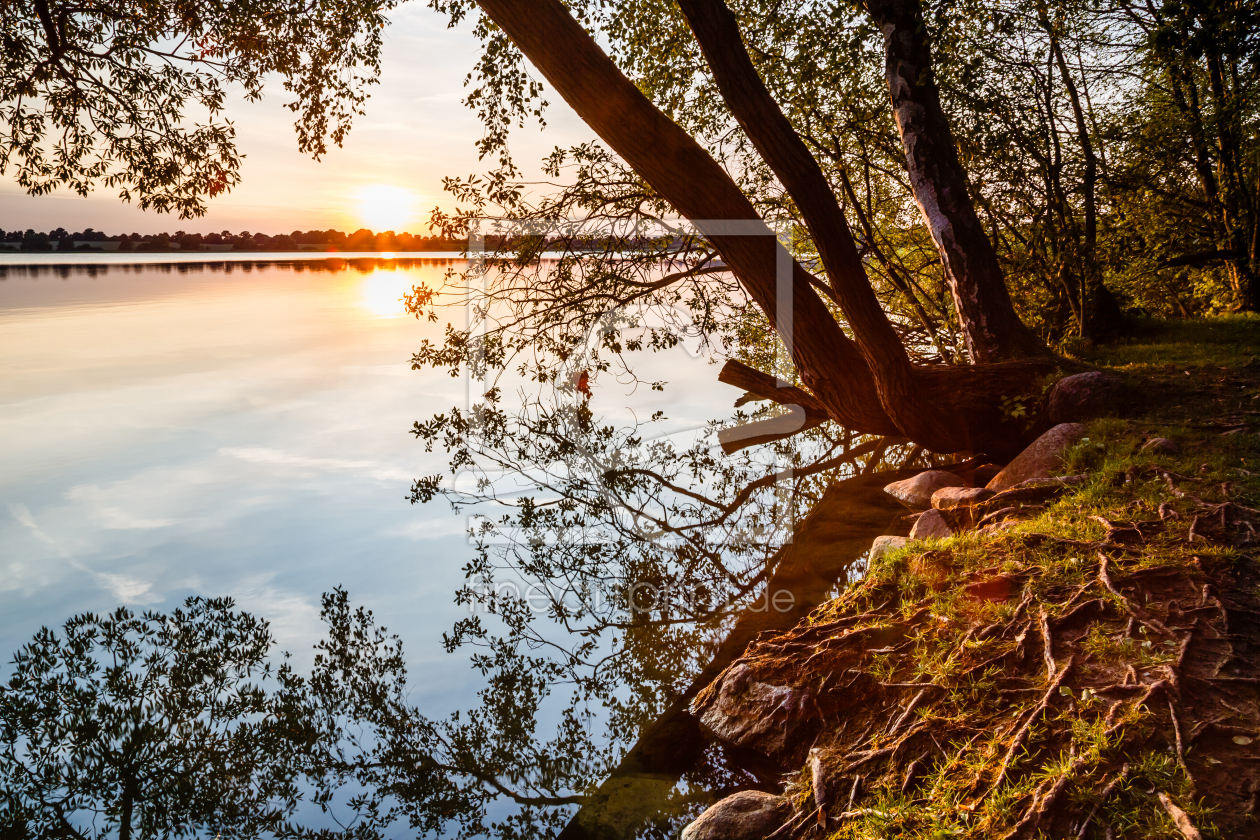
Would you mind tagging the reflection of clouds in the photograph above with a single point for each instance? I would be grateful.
(23, 515)
(128, 589)
(108, 516)
(302, 463)
(238, 435)
(432, 529)
(294, 619)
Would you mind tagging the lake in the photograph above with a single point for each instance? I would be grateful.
(175, 427)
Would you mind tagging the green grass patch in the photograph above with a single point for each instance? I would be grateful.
(1223, 341)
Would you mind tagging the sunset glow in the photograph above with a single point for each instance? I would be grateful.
(381, 293)
(385, 207)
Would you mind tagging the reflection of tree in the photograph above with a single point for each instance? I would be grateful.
(145, 726)
(613, 559)
(612, 570)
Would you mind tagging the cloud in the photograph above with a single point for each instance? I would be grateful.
(110, 517)
(123, 588)
(280, 458)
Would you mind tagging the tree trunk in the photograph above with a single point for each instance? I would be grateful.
(1236, 198)
(717, 32)
(669, 159)
(1100, 312)
(990, 327)
(830, 365)
(1234, 237)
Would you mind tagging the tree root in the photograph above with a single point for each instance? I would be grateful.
(1018, 741)
(1180, 818)
(1102, 799)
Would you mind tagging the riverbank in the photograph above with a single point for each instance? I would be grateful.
(1082, 663)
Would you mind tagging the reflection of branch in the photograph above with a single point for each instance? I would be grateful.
(61, 817)
(765, 481)
(519, 799)
(783, 426)
(424, 761)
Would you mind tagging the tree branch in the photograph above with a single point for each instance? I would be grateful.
(686, 176)
(716, 30)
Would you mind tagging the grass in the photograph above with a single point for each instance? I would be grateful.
(1225, 341)
(992, 703)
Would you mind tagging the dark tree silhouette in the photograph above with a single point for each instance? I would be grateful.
(145, 726)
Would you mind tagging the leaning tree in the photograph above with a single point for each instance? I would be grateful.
(115, 78)
(867, 383)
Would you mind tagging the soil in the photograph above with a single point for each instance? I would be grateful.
(1091, 670)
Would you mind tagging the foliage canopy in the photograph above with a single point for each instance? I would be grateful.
(131, 95)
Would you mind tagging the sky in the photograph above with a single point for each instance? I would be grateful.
(415, 132)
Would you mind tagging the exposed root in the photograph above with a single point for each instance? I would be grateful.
(1038, 683)
(1018, 742)
(1102, 799)
(1180, 818)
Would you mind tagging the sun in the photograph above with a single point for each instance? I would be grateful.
(385, 207)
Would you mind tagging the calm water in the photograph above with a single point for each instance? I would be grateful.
(237, 428)
(233, 429)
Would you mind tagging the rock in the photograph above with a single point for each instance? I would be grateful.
(747, 815)
(1084, 396)
(958, 505)
(1161, 446)
(930, 525)
(1042, 458)
(1059, 482)
(917, 491)
(886, 544)
(984, 474)
(1034, 491)
(753, 714)
(948, 498)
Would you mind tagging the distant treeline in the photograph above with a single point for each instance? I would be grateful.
(312, 240)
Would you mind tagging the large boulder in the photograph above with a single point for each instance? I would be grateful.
(917, 491)
(1084, 396)
(930, 526)
(747, 815)
(1042, 458)
(753, 714)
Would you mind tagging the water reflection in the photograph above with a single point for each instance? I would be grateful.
(240, 427)
(222, 428)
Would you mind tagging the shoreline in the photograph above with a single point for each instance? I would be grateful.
(72, 258)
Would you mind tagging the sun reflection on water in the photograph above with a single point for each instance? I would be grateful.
(381, 292)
